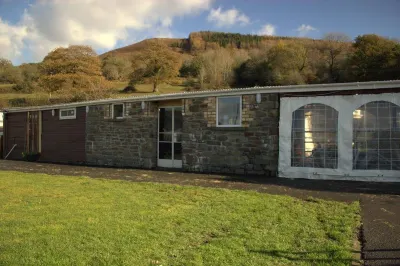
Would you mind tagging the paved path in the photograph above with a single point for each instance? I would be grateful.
(380, 202)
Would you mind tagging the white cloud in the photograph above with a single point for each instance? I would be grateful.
(267, 29)
(304, 29)
(228, 17)
(47, 24)
(11, 39)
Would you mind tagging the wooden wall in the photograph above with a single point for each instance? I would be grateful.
(63, 141)
(15, 133)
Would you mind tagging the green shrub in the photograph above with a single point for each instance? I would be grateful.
(17, 102)
(129, 89)
(31, 156)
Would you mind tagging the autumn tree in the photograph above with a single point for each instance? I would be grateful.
(375, 58)
(8, 72)
(282, 64)
(288, 63)
(75, 67)
(190, 68)
(116, 67)
(157, 63)
(29, 78)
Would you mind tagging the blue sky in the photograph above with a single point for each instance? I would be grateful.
(29, 29)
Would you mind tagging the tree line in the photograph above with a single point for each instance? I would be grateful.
(334, 59)
(77, 71)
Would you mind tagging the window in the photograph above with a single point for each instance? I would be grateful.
(114, 111)
(68, 113)
(376, 136)
(229, 111)
(118, 111)
(314, 136)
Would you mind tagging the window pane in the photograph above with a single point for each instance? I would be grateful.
(177, 137)
(178, 119)
(165, 120)
(229, 111)
(165, 137)
(118, 110)
(177, 151)
(314, 136)
(375, 136)
(165, 150)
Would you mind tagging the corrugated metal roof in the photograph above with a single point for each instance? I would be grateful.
(370, 85)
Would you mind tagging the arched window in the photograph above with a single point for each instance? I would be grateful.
(314, 136)
(376, 136)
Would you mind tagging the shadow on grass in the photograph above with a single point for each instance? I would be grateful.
(387, 188)
(332, 255)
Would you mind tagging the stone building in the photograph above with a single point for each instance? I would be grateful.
(322, 131)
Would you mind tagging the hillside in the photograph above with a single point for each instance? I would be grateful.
(173, 43)
(198, 42)
(205, 60)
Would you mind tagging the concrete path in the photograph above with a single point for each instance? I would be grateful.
(380, 202)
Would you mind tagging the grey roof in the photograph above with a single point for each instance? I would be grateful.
(370, 85)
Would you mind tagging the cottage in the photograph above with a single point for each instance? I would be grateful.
(342, 131)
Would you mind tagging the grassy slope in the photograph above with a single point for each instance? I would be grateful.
(7, 93)
(48, 220)
(144, 89)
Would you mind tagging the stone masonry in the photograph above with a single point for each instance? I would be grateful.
(251, 149)
(127, 142)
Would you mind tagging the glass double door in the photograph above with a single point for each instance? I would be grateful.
(170, 137)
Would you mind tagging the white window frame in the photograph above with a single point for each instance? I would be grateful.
(67, 117)
(240, 110)
(123, 111)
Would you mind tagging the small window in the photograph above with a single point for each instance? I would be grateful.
(68, 113)
(229, 111)
(118, 111)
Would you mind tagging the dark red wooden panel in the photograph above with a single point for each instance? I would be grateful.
(15, 133)
(63, 141)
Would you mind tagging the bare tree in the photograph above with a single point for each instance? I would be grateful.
(334, 50)
(218, 67)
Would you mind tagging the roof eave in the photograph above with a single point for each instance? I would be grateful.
(215, 93)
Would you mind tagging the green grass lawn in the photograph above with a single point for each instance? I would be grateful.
(63, 220)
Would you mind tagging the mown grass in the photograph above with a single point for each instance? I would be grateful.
(6, 88)
(145, 89)
(63, 220)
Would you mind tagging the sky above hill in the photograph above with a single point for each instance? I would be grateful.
(29, 29)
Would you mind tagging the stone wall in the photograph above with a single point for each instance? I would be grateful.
(132, 141)
(251, 149)
(127, 142)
